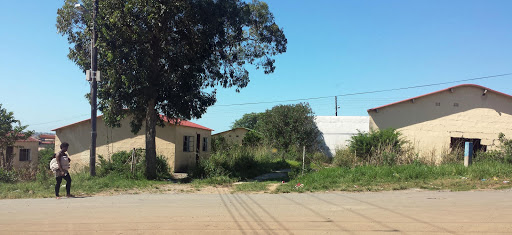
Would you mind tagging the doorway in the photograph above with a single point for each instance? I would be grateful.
(198, 147)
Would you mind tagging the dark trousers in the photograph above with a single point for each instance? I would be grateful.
(59, 181)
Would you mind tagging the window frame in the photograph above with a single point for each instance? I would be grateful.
(188, 143)
(205, 144)
(24, 155)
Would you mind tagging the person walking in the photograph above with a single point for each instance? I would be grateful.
(60, 166)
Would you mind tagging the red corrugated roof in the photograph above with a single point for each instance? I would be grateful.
(30, 139)
(447, 89)
(184, 123)
(166, 119)
(47, 136)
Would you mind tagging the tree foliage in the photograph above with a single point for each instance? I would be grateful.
(286, 126)
(168, 57)
(248, 120)
(11, 131)
(252, 138)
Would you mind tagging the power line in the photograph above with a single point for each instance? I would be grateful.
(317, 98)
(366, 92)
(58, 120)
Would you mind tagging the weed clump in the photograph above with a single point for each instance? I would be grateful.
(239, 162)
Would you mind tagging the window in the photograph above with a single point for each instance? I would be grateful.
(188, 143)
(459, 144)
(24, 155)
(455, 104)
(438, 103)
(205, 144)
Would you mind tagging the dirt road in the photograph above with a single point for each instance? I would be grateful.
(404, 212)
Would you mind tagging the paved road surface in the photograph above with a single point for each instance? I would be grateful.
(401, 212)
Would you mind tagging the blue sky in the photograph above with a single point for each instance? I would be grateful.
(334, 48)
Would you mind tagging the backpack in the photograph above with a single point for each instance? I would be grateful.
(50, 163)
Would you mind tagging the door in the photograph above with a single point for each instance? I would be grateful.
(198, 147)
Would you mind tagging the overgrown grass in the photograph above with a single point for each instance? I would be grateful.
(453, 176)
(239, 163)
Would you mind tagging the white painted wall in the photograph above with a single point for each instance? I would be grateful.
(337, 130)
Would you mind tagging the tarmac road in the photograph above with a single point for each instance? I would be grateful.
(400, 212)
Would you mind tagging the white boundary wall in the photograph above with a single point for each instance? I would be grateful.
(337, 130)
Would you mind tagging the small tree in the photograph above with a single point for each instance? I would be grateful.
(286, 126)
(11, 131)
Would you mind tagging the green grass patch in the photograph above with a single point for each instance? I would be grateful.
(378, 178)
(254, 186)
(82, 184)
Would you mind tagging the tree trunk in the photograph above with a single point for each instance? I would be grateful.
(150, 140)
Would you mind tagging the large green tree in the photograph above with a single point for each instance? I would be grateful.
(168, 56)
(248, 120)
(11, 131)
(286, 126)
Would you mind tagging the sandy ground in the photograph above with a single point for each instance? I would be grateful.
(401, 212)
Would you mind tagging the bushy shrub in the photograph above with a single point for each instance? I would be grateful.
(502, 154)
(343, 157)
(8, 176)
(252, 138)
(238, 162)
(454, 155)
(505, 147)
(369, 145)
(389, 158)
(295, 169)
(293, 153)
(121, 163)
(43, 168)
(163, 171)
(219, 143)
(317, 160)
(493, 155)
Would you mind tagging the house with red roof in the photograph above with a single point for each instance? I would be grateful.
(443, 120)
(182, 143)
(24, 153)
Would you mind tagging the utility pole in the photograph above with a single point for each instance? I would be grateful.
(92, 75)
(94, 90)
(336, 104)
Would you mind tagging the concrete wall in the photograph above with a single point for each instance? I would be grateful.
(337, 130)
(112, 140)
(430, 121)
(234, 136)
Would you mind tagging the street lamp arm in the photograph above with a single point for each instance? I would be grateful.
(81, 8)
